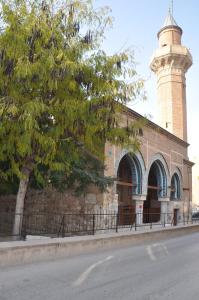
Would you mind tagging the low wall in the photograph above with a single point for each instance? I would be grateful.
(21, 252)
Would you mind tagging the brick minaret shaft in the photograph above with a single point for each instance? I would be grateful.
(170, 63)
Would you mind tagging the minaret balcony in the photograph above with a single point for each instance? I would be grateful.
(176, 56)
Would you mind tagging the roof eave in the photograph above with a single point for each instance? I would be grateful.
(170, 27)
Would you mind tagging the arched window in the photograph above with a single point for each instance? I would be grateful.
(175, 187)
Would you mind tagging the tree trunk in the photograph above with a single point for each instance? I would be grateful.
(19, 210)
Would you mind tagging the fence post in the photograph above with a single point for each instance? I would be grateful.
(63, 226)
(24, 231)
(164, 219)
(117, 221)
(93, 224)
(136, 221)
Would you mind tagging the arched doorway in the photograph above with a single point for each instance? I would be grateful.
(129, 177)
(156, 188)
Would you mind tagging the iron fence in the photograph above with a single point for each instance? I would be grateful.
(62, 225)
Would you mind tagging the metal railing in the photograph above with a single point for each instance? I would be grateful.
(62, 225)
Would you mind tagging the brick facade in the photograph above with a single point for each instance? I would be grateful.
(170, 62)
(156, 144)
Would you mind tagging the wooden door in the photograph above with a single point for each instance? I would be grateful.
(126, 214)
(175, 217)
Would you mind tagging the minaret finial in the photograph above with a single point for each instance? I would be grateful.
(171, 8)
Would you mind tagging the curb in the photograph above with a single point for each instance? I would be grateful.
(23, 252)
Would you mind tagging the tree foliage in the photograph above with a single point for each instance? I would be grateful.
(60, 94)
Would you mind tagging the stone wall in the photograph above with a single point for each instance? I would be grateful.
(7, 208)
(44, 210)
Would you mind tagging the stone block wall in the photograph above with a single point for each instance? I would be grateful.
(44, 210)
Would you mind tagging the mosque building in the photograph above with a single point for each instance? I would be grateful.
(157, 180)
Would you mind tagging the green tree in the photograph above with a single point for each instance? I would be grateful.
(60, 95)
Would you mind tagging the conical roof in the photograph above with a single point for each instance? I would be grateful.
(169, 21)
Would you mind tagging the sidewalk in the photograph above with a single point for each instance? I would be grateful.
(121, 229)
(35, 250)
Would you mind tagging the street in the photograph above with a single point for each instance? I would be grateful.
(163, 270)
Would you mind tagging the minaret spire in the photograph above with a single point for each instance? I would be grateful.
(170, 21)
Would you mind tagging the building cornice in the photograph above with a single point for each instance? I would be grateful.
(188, 162)
(156, 127)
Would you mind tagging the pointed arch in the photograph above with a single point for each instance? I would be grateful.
(138, 155)
(163, 174)
(137, 165)
(161, 177)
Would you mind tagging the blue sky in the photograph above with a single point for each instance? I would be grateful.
(136, 24)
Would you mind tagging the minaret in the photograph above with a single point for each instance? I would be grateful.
(170, 63)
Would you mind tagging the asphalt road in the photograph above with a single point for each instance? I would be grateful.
(164, 270)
